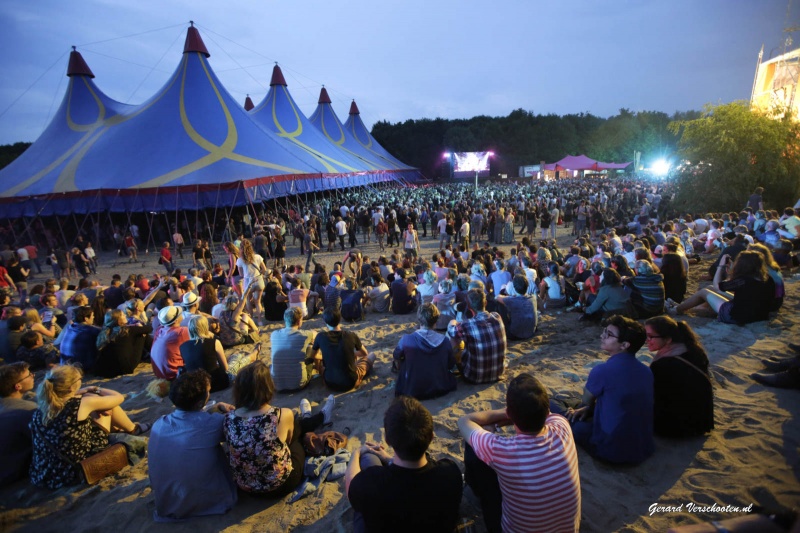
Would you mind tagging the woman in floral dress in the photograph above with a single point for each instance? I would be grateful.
(264, 442)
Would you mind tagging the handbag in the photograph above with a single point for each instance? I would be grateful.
(95, 467)
(105, 463)
(317, 444)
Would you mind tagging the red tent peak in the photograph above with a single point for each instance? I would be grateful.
(248, 103)
(194, 43)
(77, 66)
(323, 96)
(277, 76)
(354, 108)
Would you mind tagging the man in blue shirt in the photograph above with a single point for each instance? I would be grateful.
(615, 422)
(79, 342)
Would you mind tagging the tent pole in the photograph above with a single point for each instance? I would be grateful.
(63, 235)
(211, 229)
(13, 233)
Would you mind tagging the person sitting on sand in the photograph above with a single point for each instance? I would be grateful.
(482, 339)
(747, 295)
(341, 358)
(16, 380)
(165, 355)
(615, 419)
(785, 371)
(683, 395)
(189, 472)
(540, 456)
(403, 290)
(204, 351)
(520, 308)
(424, 359)
(292, 359)
(407, 491)
(71, 424)
(265, 447)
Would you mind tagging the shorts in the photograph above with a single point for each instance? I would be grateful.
(363, 366)
(258, 283)
(724, 314)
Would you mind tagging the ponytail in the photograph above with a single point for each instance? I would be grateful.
(55, 390)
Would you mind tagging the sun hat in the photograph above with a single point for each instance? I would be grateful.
(189, 299)
(169, 315)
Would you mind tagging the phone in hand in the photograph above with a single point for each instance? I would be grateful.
(47, 316)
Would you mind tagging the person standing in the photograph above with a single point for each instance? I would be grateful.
(177, 240)
(411, 242)
(341, 231)
(166, 258)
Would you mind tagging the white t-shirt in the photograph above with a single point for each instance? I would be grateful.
(252, 270)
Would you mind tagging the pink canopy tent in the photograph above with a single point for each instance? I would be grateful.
(582, 162)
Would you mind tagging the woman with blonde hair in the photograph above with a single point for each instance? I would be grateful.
(48, 331)
(203, 350)
(71, 424)
(252, 268)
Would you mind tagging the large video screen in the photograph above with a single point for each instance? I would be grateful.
(465, 164)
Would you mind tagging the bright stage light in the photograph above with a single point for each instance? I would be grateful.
(490, 154)
(660, 167)
(446, 155)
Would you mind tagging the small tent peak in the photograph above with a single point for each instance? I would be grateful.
(248, 103)
(77, 65)
(323, 96)
(354, 108)
(194, 43)
(277, 76)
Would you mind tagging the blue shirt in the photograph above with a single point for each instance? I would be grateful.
(622, 430)
(189, 472)
(79, 344)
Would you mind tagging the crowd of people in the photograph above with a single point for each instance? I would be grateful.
(498, 268)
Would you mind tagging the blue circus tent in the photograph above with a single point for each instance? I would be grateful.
(356, 128)
(190, 146)
(326, 120)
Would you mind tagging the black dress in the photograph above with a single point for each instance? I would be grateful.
(197, 355)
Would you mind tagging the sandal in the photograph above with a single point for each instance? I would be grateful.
(140, 428)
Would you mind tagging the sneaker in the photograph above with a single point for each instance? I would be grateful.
(327, 409)
(305, 408)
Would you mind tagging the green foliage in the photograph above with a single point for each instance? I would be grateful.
(732, 149)
(9, 152)
(524, 138)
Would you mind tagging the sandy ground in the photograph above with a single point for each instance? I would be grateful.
(751, 456)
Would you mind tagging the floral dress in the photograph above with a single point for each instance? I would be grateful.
(75, 440)
(260, 461)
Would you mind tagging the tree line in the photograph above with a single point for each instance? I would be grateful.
(524, 138)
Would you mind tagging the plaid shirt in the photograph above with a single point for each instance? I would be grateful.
(484, 347)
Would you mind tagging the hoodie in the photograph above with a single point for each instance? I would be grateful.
(424, 359)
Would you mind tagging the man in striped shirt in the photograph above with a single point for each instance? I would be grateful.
(529, 481)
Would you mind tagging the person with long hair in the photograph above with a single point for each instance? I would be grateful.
(745, 297)
(612, 299)
(203, 350)
(233, 276)
(774, 272)
(675, 276)
(71, 424)
(252, 268)
(49, 331)
(208, 298)
(683, 395)
(120, 345)
(265, 442)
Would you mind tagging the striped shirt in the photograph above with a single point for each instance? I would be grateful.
(538, 477)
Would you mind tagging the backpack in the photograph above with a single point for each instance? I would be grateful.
(352, 308)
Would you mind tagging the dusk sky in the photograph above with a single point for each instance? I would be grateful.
(399, 60)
